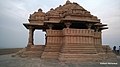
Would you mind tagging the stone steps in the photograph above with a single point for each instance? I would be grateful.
(52, 50)
(53, 44)
(73, 55)
(50, 55)
(52, 47)
(87, 44)
(79, 49)
(77, 57)
(79, 46)
(78, 60)
(31, 54)
(34, 51)
(36, 48)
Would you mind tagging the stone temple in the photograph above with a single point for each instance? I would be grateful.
(72, 33)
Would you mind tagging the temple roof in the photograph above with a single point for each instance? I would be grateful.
(69, 12)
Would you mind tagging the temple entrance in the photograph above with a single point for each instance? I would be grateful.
(39, 37)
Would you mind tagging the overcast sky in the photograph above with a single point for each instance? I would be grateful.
(13, 13)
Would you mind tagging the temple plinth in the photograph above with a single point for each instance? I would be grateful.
(72, 33)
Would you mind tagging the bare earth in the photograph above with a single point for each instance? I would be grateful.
(9, 61)
(9, 50)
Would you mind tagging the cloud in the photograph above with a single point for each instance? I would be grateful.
(12, 15)
(15, 12)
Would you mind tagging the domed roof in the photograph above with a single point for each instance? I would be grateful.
(70, 10)
(37, 15)
(65, 8)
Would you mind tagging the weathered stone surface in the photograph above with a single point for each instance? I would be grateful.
(72, 33)
(50, 55)
(8, 61)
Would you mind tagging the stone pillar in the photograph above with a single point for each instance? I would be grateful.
(89, 26)
(68, 24)
(98, 40)
(30, 39)
(96, 29)
(50, 26)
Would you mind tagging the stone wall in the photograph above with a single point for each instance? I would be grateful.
(53, 44)
(78, 43)
(98, 42)
(72, 44)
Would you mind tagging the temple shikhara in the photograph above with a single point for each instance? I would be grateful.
(72, 33)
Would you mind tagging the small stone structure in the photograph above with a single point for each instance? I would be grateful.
(72, 33)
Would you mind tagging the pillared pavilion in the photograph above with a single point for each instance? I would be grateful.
(72, 33)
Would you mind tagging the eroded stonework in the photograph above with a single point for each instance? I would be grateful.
(72, 33)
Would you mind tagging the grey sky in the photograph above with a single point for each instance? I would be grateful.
(14, 13)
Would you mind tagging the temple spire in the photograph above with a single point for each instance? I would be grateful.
(68, 2)
(39, 10)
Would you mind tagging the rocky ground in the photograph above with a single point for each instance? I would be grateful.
(9, 50)
(9, 61)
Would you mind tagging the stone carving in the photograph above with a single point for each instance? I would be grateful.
(68, 10)
(72, 33)
(37, 17)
